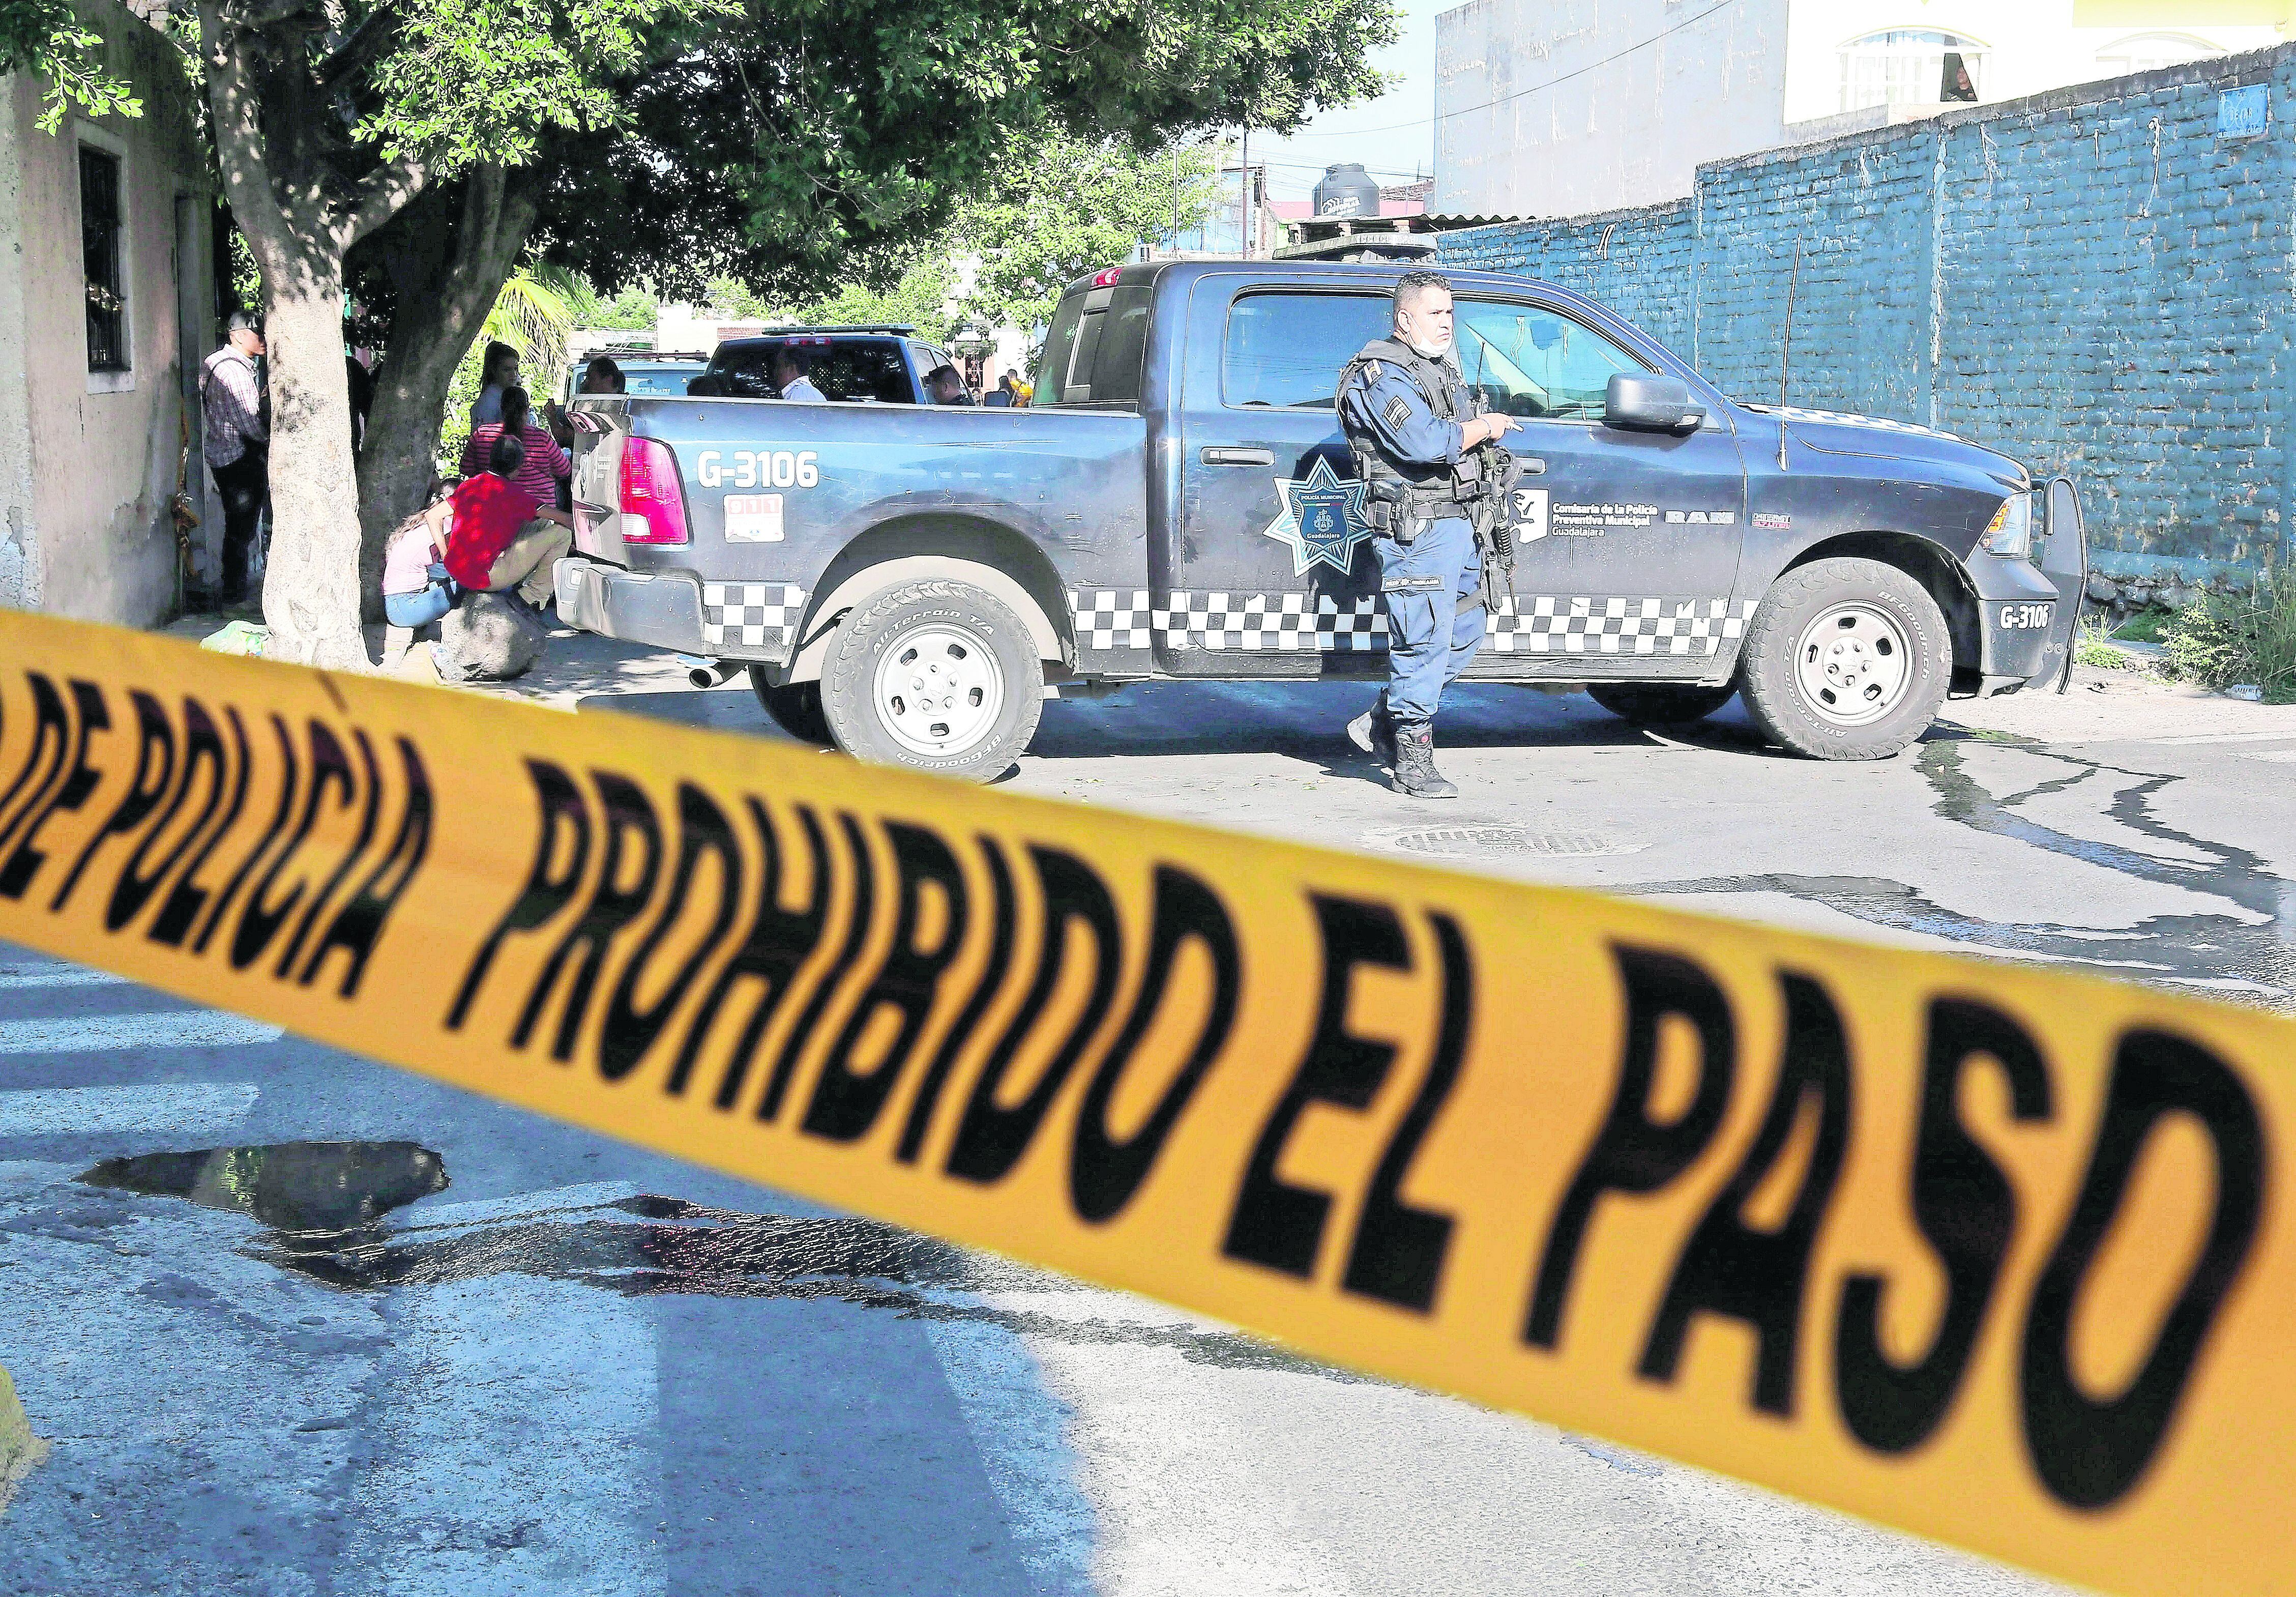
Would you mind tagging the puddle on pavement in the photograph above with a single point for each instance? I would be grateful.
(326, 1204)
(2219, 956)
(307, 1192)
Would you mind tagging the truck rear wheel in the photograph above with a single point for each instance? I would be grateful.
(936, 675)
(1846, 660)
(1661, 703)
(795, 707)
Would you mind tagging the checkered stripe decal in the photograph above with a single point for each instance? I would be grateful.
(1250, 622)
(1548, 625)
(1112, 621)
(754, 615)
(1298, 623)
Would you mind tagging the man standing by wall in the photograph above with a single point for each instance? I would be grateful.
(238, 431)
(1411, 421)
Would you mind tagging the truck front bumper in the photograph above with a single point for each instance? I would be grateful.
(660, 608)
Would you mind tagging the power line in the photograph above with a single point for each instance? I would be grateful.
(1620, 55)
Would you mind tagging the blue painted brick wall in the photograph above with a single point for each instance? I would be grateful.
(2091, 280)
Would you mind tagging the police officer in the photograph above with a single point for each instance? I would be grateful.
(1411, 423)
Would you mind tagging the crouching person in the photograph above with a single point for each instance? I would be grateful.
(502, 550)
(501, 541)
(416, 589)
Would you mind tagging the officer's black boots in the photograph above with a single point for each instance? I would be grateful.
(1415, 776)
(1374, 732)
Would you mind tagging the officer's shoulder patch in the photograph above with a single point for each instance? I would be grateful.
(1372, 372)
(1398, 411)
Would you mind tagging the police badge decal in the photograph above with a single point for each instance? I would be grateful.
(1323, 518)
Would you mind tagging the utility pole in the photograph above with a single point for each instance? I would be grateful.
(1247, 192)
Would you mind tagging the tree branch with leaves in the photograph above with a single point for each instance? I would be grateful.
(45, 38)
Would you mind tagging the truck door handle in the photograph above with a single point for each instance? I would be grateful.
(1215, 456)
(1532, 465)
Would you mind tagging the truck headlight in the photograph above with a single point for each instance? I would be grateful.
(2011, 531)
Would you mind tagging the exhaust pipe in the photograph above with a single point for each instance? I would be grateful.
(710, 673)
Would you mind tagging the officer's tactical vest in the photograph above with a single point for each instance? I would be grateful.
(1430, 492)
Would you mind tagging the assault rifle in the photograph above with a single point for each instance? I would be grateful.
(1493, 523)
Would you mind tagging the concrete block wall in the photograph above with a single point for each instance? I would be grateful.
(2094, 280)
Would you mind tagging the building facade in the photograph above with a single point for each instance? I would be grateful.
(1555, 107)
(106, 309)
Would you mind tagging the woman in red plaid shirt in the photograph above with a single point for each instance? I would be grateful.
(545, 465)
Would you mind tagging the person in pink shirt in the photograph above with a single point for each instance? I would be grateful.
(545, 465)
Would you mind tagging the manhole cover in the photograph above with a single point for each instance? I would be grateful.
(1486, 842)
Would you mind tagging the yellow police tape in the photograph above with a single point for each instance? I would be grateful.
(1997, 1254)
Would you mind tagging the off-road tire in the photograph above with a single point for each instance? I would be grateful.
(795, 707)
(1769, 675)
(1661, 703)
(887, 618)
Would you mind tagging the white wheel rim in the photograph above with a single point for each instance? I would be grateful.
(939, 690)
(1853, 666)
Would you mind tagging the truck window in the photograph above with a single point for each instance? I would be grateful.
(1060, 349)
(1286, 350)
(1536, 363)
(1111, 346)
(850, 369)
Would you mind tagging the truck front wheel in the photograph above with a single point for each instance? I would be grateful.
(1846, 660)
(936, 675)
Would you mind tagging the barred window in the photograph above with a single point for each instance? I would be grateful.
(1902, 66)
(99, 231)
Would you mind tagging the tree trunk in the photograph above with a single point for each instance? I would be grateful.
(311, 575)
(277, 144)
(447, 256)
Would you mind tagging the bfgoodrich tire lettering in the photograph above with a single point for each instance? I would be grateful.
(989, 681)
(1846, 660)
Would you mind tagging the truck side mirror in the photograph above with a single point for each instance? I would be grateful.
(1644, 403)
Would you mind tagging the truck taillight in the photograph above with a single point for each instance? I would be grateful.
(653, 504)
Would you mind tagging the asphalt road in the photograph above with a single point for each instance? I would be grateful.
(556, 1364)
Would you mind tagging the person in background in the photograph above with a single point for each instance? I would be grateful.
(235, 426)
(496, 538)
(497, 372)
(945, 385)
(543, 465)
(999, 398)
(362, 386)
(1024, 393)
(601, 377)
(788, 372)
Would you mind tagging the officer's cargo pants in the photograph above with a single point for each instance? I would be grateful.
(1432, 629)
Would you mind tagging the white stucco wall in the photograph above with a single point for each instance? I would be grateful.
(1549, 108)
(88, 461)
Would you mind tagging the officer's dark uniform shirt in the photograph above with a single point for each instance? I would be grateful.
(1389, 406)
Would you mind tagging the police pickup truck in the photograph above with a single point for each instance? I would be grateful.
(911, 583)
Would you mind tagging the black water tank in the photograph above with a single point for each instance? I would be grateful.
(1347, 191)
